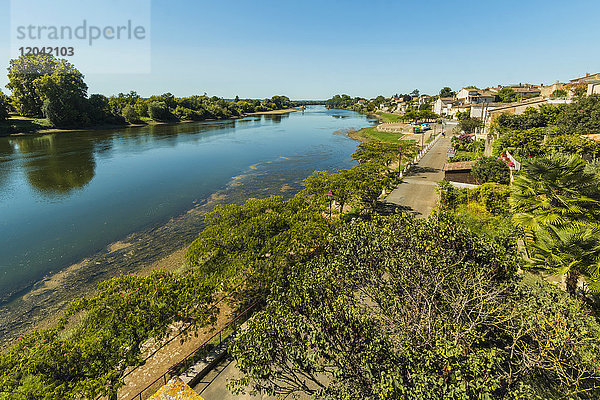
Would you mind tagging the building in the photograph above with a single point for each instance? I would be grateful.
(460, 172)
(440, 107)
(586, 78)
(546, 91)
(449, 106)
(424, 99)
(593, 87)
(475, 96)
(480, 110)
(522, 90)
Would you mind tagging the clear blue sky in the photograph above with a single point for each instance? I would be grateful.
(314, 49)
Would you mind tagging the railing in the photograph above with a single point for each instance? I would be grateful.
(174, 370)
(181, 332)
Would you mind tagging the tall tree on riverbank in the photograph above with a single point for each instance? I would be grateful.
(44, 85)
(22, 74)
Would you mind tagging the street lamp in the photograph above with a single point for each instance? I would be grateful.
(330, 197)
(399, 160)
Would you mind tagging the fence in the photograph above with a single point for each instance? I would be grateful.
(175, 369)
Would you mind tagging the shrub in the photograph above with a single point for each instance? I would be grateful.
(491, 169)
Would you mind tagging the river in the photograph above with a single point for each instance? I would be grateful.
(101, 203)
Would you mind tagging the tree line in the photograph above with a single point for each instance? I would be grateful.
(43, 86)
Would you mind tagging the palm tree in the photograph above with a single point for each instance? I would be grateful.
(557, 203)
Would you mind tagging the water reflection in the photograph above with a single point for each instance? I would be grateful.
(6, 167)
(57, 164)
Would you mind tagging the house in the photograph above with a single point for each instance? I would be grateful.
(522, 90)
(593, 86)
(586, 78)
(455, 107)
(475, 96)
(441, 104)
(460, 172)
(480, 110)
(362, 102)
(449, 106)
(424, 99)
(546, 91)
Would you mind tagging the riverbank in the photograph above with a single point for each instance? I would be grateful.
(31, 126)
(162, 244)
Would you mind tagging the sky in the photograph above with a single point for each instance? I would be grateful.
(315, 49)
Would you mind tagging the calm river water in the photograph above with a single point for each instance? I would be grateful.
(65, 197)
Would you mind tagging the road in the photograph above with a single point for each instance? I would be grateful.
(417, 192)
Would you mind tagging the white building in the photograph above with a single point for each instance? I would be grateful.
(475, 96)
(593, 86)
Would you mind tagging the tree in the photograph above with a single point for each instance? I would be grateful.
(447, 92)
(469, 125)
(581, 117)
(531, 118)
(506, 95)
(427, 115)
(98, 338)
(559, 93)
(400, 308)
(3, 107)
(22, 73)
(130, 114)
(158, 111)
(42, 84)
(491, 169)
(414, 93)
(461, 115)
(556, 200)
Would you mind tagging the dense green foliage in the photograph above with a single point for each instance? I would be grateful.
(469, 125)
(400, 308)
(447, 92)
(506, 95)
(492, 196)
(86, 355)
(3, 107)
(556, 200)
(42, 85)
(551, 128)
(559, 93)
(466, 148)
(491, 169)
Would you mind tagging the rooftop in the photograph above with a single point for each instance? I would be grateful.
(460, 166)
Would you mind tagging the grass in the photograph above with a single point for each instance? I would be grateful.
(23, 125)
(373, 134)
(389, 117)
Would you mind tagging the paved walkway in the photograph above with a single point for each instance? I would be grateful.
(417, 192)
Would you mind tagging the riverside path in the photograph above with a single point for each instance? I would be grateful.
(417, 191)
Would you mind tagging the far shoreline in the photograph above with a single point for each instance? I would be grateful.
(102, 127)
